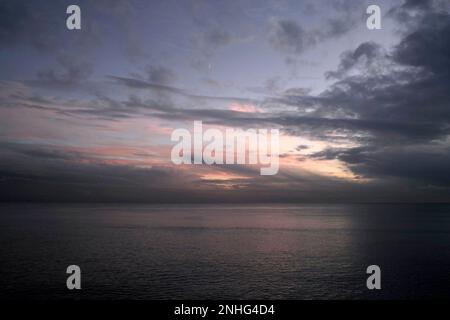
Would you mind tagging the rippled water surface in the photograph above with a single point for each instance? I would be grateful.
(224, 251)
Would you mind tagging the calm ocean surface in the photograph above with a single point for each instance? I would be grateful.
(224, 251)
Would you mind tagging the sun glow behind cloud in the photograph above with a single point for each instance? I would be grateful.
(244, 108)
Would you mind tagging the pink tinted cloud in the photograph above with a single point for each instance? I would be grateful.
(244, 107)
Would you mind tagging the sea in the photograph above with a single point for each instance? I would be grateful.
(224, 251)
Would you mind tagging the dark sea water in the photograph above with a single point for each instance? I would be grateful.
(224, 251)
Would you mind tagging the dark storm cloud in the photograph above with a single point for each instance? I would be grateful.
(428, 47)
(417, 94)
(410, 104)
(425, 165)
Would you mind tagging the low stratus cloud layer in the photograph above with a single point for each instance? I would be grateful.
(87, 115)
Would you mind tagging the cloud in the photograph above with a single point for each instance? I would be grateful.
(51, 173)
(365, 56)
(160, 74)
(423, 165)
(44, 173)
(289, 36)
(20, 22)
(405, 109)
(384, 116)
(217, 38)
(424, 47)
(139, 84)
(70, 70)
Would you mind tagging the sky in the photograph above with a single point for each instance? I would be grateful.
(87, 115)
